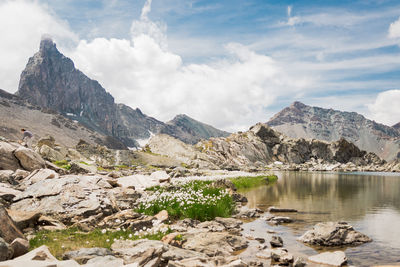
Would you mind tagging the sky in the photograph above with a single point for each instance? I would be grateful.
(228, 63)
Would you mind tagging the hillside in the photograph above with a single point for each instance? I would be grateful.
(302, 121)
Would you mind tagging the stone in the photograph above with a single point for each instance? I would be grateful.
(83, 255)
(279, 219)
(81, 168)
(299, 262)
(6, 250)
(20, 247)
(275, 209)
(337, 258)
(333, 234)
(214, 243)
(7, 192)
(6, 176)
(47, 140)
(141, 251)
(40, 175)
(264, 254)
(281, 256)
(230, 224)
(7, 159)
(162, 216)
(245, 212)
(50, 154)
(137, 181)
(190, 262)
(8, 230)
(102, 261)
(24, 219)
(29, 159)
(176, 254)
(160, 176)
(20, 174)
(276, 242)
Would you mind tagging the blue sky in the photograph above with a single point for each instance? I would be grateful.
(242, 60)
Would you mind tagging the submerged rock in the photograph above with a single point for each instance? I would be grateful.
(334, 234)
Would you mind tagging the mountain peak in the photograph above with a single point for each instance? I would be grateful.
(46, 43)
(298, 104)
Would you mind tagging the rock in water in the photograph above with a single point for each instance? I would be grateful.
(276, 241)
(334, 234)
(337, 258)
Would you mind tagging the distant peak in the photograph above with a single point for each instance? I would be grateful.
(298, 104)
(46, 43)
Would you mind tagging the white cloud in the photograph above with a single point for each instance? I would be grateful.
(394, 29)
(385, 109)
(22, 24)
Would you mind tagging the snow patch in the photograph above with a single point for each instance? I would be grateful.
(144, 142)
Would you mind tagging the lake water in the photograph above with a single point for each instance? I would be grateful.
(370, 202)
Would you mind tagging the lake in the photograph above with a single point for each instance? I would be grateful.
(370, 202)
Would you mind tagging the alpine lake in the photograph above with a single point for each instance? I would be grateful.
(370, 202)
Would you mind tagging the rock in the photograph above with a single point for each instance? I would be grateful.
(137, 181)
(50, 154)
(47, 140)
(279, 220)
(214, 243)
(29, 159)
(276, 242)
(81, 168)
(121, 219)
(264, 254)
(7, 193)
(211, 226)
(8, 229)
(140, 251)
(24, 219)
(20, 174)
(245, 212)
(50, 224)
(102, 261)
(230, 224)
(281, 256)
(334, 234)
(176, 254)
(39, 175)
(337, 258)
(6, 251)
(20, 247)
(162, 216)
(196, 261)
(6, 176)
(274, 209)
(260, 240)
(299, 262)
(160, 176)
(84, 254)
(7, 159)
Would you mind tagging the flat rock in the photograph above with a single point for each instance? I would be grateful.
(141, 251)
(29, 159)
(102, 261)
(7, 192)
(24, 219)
(138, 181)
(275, 209)
(83, 255)
(333, 234)
(20, 247)
(337, 258)
(281, 256)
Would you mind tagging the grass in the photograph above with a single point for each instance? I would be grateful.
(61, 241)
(62, 164)
(195, 199)
(244, 182)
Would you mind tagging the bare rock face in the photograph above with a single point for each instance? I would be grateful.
(302, 121)
(334, 234)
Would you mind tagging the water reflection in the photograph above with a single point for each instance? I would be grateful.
(371, 203)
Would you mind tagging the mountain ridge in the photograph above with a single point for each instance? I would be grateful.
(303, 121)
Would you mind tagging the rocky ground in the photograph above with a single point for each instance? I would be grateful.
(87, 191)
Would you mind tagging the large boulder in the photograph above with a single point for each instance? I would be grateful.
(7, 159)
(47, 140)
(6, 251)
(29, 159)
(20, 247)
(334, 234)
(50, 154)
(8, 230)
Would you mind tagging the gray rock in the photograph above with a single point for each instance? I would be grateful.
(29, 159)
(276, 242)
(81, 168)
(20, 247)
(299, 262)
(334, 234)
(144, 252)
(83, 255)
(7, 159)
(176, 254)
(337, 258)
(8, 230)
(47, 140)
(279, 219)
(6, 176)
(7, 193)
(50, 154)
(102, 261)
(6, 251)
(20, 174)
(281, 256)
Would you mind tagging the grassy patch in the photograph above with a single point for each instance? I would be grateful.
(62, 241)
(195, 199)
(244, 182)
(62, 164)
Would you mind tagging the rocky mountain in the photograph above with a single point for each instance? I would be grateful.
(50, 80)
(397, 126)
(16, 113)
(302, 121)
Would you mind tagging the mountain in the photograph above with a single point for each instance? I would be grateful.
(302, 121)
(397, 126)
(17, 113)
(192, 130)
(50, 80)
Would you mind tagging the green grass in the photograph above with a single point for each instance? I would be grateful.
(195, 199)
(62, 164)
(244, 182)
(61, 241)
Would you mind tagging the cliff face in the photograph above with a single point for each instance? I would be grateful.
(302, 121)
(50, 80)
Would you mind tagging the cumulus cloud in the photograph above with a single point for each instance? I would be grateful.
(22, 23)
(394, 29)
(385, 109)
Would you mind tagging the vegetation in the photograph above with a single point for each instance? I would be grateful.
(61, 241)
(244, 182)
(195, 199)
(62, 164)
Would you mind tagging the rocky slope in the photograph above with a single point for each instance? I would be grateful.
(50, 80)
(397, 126)
(302, 121)
(16, 113)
